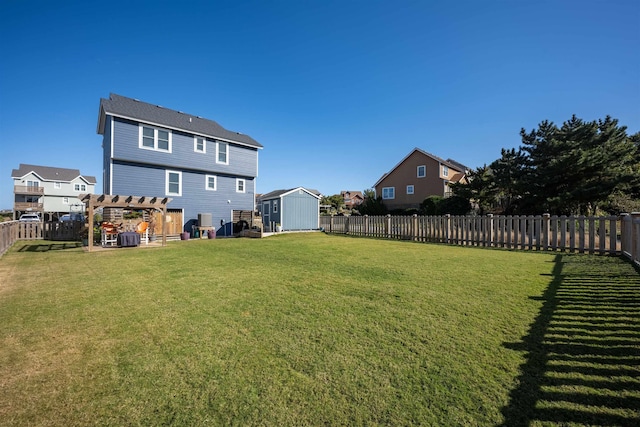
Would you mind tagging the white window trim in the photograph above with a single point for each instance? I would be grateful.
(275, 206)
(79, 187)
(195, 144)
(166, 183)
(410, 189)
(445, 170)
(65, 200)
(215, 182)
(155, 138)
(57, 185)
(244, 185)
(393, 190)
(218, 152)
(418, 171)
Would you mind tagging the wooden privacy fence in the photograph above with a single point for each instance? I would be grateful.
(603, 235)
(12, 231)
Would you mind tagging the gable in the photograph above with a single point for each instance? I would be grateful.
(417, 157)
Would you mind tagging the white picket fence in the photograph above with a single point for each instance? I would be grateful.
(601, 235)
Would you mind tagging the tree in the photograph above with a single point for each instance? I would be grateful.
(371, 205)
(336, 201)
(508, 172)
(431, 205)
(576, 167)
(479, 191)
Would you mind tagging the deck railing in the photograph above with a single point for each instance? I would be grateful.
(584, 234)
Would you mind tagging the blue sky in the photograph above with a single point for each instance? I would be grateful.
(338, 92)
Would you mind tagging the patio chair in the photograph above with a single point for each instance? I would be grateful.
(143, 229)
(109, 234)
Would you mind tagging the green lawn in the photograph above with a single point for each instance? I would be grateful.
(310, 329)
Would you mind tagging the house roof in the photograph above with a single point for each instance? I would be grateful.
(449, 163)
(352, 194)
(133, 109)
(279, 193)
(47, 173)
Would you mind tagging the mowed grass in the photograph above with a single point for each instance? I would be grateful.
(310, 329)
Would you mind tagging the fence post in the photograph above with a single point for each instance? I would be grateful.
(545, 231)
(635, 236)
(387, 226)
(447, 225)
(414, 225)
(488, 240)
(366, 225)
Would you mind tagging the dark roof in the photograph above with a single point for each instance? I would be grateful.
(128, 108)
(48, 173)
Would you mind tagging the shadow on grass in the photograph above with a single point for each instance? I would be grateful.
(45, 247)
(583, 350)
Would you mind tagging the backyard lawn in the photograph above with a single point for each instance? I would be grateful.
(311, 329)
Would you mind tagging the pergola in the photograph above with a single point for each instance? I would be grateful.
(94, 201)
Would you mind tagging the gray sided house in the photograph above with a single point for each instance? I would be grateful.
(149, 150)
(49, 191)
(294, 209)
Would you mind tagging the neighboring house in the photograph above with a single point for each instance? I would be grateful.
(49, 191)
(149, 150)
(418, 176)
(293, 209)
(352, 198)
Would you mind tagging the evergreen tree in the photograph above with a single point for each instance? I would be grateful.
(479, 191)
(508, 172)
(576, 167)
(371, 205)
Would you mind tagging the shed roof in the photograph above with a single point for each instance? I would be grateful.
(279, 193)
(48, 173)
(129, 108)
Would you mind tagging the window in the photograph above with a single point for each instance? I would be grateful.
(211, 182)
(199, 145)
(389, 193)
(57, 185)
(222, 153)
(240, 185)
(80, 187)
(265, 208)
(65, 200)
(275, 206)
(33, 184)
(173, 184)
(409, 189)
(155, 139)
(422, 171)
(445, 171)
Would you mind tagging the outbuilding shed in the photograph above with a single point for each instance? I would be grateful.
(291, 210)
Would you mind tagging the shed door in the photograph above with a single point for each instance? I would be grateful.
(265, 214)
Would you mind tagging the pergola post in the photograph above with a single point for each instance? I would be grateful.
(94, 201)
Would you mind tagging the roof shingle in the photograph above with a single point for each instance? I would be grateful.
(49, 173)
(124, 107)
